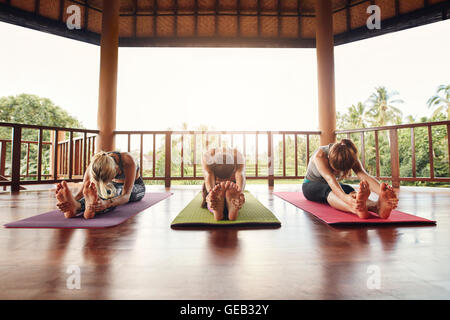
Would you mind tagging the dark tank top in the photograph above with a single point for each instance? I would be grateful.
(121, 175)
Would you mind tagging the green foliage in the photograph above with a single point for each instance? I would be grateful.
(380, 110)
(440, 102)
(35, 110)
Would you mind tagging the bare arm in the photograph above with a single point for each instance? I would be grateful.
(321, 161)
(240, 171)
(208, 175)
(79, 194)
(240, 178)
(129, 168)
(362, 174)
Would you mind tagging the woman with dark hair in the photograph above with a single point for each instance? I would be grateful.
(224, 182)
(334, 162)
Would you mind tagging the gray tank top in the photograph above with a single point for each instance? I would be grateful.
(312, 173)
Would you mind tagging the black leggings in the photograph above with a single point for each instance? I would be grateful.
(137, 193)
(319, 191)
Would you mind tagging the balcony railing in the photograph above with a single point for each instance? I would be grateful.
(390, 135)
(61, 160)
(176, 155)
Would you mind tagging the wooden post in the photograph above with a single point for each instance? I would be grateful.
(377, 154)
(168, 159)
(15, 155)
(85, 156)
(270, 158)
(430, 152)
(448, 147)
(70, 162)
(363, 150)
(413, 153)
(3, 158)
(109, 53)
(39, 166)
(395, 160)
(54, 152)
(3, 162)
(325, 71)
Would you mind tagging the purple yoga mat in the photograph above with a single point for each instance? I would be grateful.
(56, 219)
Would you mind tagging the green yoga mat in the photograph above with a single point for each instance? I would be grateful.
(252, 214)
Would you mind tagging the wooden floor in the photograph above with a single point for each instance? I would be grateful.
(304, 259)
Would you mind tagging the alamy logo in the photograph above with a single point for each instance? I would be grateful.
(74, 280)
(74, 18)
(374, 21)
(374, 280)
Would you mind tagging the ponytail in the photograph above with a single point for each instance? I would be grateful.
(102, 170)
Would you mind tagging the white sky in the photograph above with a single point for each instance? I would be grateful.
(228, 89)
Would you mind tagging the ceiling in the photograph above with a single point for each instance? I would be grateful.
(222, 23)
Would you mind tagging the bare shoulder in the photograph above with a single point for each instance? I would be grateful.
(127, 158)
(320, 154)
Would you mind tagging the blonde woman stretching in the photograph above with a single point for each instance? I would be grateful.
(112, 179)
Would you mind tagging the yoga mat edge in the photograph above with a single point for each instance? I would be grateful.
(340, 218)
(201, 217)
(91, 223)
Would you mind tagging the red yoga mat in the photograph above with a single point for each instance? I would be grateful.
(333, 216)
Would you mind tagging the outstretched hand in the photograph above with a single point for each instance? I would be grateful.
(100, 205)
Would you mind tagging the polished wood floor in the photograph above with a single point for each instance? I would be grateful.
(304, 259)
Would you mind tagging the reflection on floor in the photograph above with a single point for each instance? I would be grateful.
(304, 259)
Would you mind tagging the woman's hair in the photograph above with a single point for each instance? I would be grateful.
(343, 156)
(102, 171)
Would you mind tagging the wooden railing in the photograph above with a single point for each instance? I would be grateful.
(258, 147)
(176, 155)
(66, 160)
(392, 132)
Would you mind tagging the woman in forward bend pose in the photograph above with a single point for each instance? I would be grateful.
(224, 182)
(112, 179)
(334, 162)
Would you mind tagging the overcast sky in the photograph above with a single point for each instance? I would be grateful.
(228, 89)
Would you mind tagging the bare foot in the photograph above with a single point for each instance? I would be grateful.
(235, 200)
(216, 200)
(66, 202)
(387, 201)
(361, 197)
(91, 197)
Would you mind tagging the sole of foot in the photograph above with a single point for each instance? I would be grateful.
(216, 200)
(90, 196)
(362, 196)
(234, 201)
(387, 201)
(64, 195)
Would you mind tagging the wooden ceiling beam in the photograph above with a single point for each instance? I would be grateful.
(217, 42)
(135, 9)
(426, 15)
(37, 5)
(58, 27)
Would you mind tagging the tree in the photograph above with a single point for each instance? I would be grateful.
(440, 102)
(35, 110)
(382, 107)
(355, 117)
(32, 109)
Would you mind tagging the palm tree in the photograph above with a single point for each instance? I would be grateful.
(382, 107)
(357, 115)
(354, 118)
(410, 119)
(440, 101)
